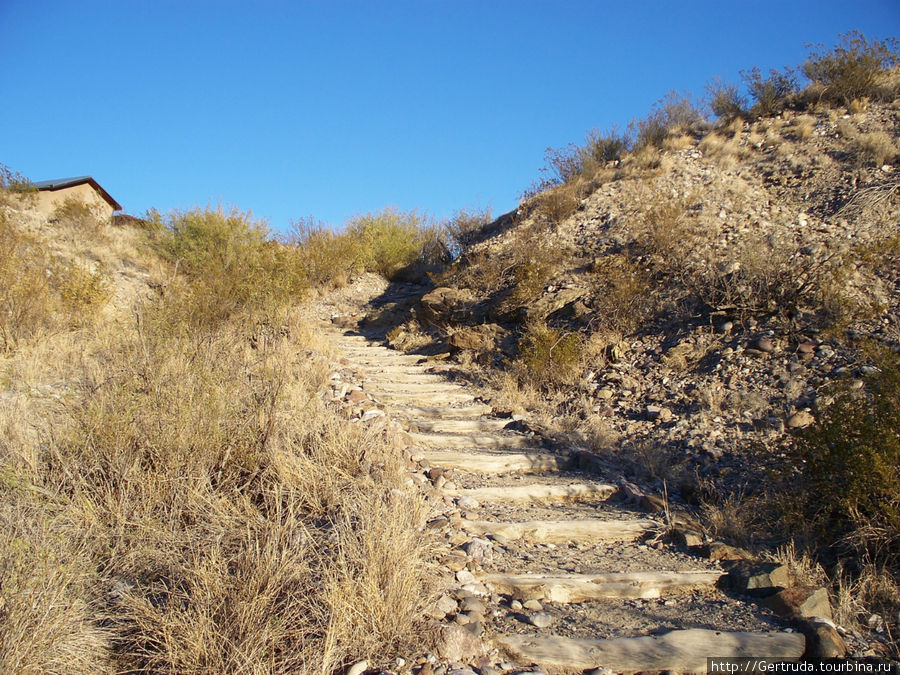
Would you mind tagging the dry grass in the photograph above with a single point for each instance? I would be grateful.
(875, 149)
(181, 501)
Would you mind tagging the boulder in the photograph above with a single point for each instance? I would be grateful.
(758, 579)
(801, 601)
(481, 338)
(447, 304)
(552, 302)
(822, 639)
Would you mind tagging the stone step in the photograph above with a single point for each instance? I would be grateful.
(591, 531)
(572, 588)
(474, 440)
(460, 426)
(512, 462)
(683, 651)
(536, 492)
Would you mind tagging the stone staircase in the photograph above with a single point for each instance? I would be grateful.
(549, 569)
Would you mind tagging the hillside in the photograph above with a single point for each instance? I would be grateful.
(714, 316)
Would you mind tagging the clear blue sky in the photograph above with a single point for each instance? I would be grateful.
(334, 108)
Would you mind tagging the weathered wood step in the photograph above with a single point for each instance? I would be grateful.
(479, 462)
(683, 651)
(460, 426)
(593, 530)
(412, 387)
(571, 588)
(474, 440)
(520, 494)
(418, 378)
(439, 398)
(419, 413)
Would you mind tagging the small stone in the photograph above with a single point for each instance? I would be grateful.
(800, 420)
(356, 396)
(764, 344)
(472, 604)
(465, 577)
(480, 550)
(465, 503)
(441, 607)
(358, 668)
(541, 619)
(604, 394)
(726, 327)
(455, 643)
(806, 347)
(515, 606)
(533, 605)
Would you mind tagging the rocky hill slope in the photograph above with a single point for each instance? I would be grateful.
(683, 315)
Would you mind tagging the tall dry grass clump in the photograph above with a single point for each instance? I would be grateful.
(188, 503)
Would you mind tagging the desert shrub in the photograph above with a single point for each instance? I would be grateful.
(623, 293)
(549, 356)
(464, 228)
(392, 239)
(14, 186)
(725, 100)
(760, 278)
(230, 265)
(607, 146)
(561, 165)
(40, 293)
(326, 257)
(26, 294)
(75, 213)
(769, 93)
(854, 69)
(83, 291)
(557, 203)
(675, 112)
(874, 149)
(665, 231)
(849, 461)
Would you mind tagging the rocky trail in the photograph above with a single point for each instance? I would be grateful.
(547, 565)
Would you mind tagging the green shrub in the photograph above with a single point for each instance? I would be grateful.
(770, 93)
(326, 257)
(725, 100)
(849, 487)
(391, 240)
(83, 291)
(230, 265)
(550, 356)
(853, 69)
